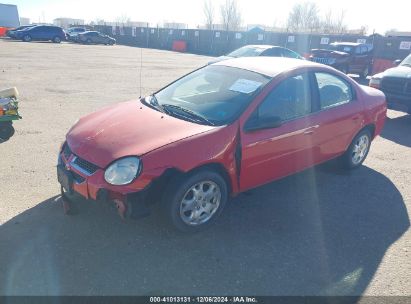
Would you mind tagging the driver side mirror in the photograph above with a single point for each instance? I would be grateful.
(263, 123)
(397, 62)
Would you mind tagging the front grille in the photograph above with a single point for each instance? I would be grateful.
(86, 166)
(77, 178)
(66, 151)
(320, 60)
(397, 86)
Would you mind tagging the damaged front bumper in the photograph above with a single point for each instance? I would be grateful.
(88, 181)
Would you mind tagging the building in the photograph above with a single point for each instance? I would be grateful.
(175, 25)
(67, 22)
(24, 21)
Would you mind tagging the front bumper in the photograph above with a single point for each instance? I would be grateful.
(74, 179)
(398, 102)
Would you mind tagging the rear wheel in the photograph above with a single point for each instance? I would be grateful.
(88, 41)
(111, 42)
(358, 150)
(27, 38)
(193, 202)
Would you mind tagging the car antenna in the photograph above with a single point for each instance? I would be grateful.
(141, 67)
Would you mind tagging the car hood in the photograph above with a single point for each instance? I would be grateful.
(125, 129)
(400, 71)
(328, 53)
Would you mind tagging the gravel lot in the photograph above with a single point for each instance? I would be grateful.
(321, 232)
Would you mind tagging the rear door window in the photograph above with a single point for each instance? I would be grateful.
(333, 91)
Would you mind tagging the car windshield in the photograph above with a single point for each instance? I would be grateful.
(406, 61)
(247, 51)
(342, 48)
(214, 95)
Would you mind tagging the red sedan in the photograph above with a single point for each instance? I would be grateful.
(220, 130)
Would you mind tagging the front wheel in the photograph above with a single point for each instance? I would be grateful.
(194, 202)
(365, 72)
(57, 39)
(358, 150)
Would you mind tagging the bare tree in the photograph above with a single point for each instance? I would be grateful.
(340, 25)
(208, 10)
(123, 19)
(230, 15)
(304, 17)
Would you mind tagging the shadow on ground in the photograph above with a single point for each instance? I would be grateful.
(398, 130)
(319, 232)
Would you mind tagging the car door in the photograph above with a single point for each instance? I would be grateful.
(360, 59)
(271, 153)
(339, 116)
(37, 32)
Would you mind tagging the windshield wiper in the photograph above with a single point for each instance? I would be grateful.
(153, 103)
(406, 64)
(193, 116)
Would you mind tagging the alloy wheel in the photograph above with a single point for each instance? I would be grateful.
(200, 203)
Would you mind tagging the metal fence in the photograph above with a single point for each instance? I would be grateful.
(216, 42)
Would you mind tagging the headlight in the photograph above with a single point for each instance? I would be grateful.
(375, 82)
(123, 171)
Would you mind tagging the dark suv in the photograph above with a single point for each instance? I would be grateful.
(42, 33)
(396, 85)
(348, 57)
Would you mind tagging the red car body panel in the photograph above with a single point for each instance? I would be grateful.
(163, 142)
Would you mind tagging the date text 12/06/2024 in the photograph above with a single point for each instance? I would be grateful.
(203, 300)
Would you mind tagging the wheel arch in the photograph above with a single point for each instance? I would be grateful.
(172, 174)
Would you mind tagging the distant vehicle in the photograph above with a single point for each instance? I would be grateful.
(259, 50)
(72, 33)
(12, 33)
(9, 16)
(42, 33)
(396, 85)
(95, 37)
(348, 57)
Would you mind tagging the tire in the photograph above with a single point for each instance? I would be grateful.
(365, 73)
(344, 69)
(111, 42)
(27, 38)
(88, 41)
(57, 39)
(6, 131)
(188, 206)
(357, 151)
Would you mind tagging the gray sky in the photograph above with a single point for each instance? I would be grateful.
(378, 15)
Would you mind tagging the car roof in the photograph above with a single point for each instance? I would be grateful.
(262, 46)
(269, 66)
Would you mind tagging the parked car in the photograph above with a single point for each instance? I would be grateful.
(396, 85)
(348, 57)
(220, 130)
(42, 33)
(259, 50)
(90, 37)
(72, 33)
(12, 33)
